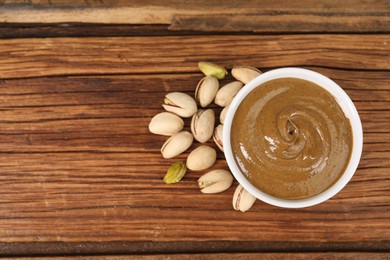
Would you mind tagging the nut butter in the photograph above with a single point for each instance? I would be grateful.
(291, 139)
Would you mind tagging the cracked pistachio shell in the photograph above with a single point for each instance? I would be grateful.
(245, 73)
(206, 90)
(202, 125)
(176, 144)
(166, 124)
(180, 104)
(242, 199)
(217, 137)
(175, 173)
(215, 181)
(212, 69)
(226, 94)
(201, 158)
(223, 114)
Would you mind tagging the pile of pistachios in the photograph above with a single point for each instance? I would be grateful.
(181, 105)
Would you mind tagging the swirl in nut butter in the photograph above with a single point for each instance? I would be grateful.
(291, 139)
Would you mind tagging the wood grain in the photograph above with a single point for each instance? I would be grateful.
(12, 31)
(21, 58)
(81, 174)
(182, 247)
(262, 16)
(78, 165)
(271, 256)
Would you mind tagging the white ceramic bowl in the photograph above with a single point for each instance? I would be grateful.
(346, 105)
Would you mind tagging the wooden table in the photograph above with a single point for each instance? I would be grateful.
(80, 80)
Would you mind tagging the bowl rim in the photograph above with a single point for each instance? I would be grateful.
(344, 102)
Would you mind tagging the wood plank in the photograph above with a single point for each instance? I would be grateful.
(77, 156)
(285, 22)
(263, 16)
(181, 247)
(8, 31)
(32, 109)
(235, 256)
(20, 58)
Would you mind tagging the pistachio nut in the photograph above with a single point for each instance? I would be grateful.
(166, 124)
(180, 104)
(175, 173)
(176, 144)
(201, 158)
(206, 90)
(215, 181)
(212, 69)
(223, 114)
(245, 73)
(217, 137)
(226, 94)
(202, 125)
(242, 199)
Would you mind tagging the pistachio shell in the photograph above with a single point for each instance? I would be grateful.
(206, 90)
(202, 125)
(215, 181)
(176, 144)
(245, 73)
(201, 158)
(212, 69)
(175, 173)
(166, 124)
(180, 104)
(226, 94)
(242, 199)
(223, 114)
(217, 137)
